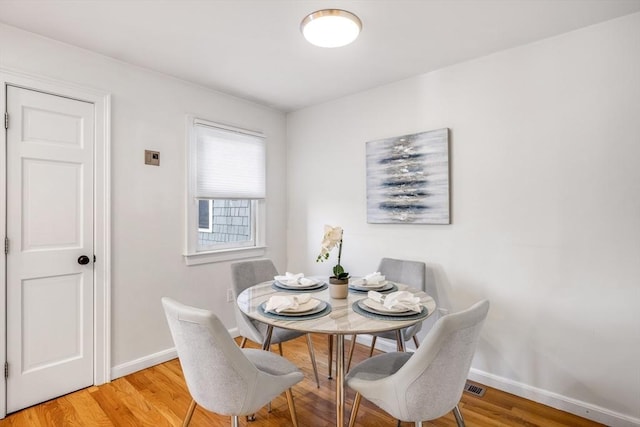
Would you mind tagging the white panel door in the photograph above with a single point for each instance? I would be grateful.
(50, 143)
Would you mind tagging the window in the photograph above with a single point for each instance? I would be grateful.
(225, 223)
(226, 192)
(205, 216)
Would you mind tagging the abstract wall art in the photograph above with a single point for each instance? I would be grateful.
(408, 179)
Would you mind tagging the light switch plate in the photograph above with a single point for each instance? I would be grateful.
(152, 158)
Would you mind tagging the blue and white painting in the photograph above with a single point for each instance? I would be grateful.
(408, 179)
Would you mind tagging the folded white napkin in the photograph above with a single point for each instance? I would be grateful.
(373, 280)
(397, 300)
(295, 279)
(278, 303)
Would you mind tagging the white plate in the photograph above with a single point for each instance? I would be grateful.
(385, 286)
(301, 308)
(318, 284)
(380, 308)
(318, 307)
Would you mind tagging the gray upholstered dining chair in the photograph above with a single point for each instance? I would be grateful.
(220, 376)
(245, 274)
(410, 273)
(427, 384)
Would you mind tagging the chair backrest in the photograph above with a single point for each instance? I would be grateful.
(430, 384)
(410, 273)
(219, 376)
(245, 274)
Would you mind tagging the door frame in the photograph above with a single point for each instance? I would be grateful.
(102, 216)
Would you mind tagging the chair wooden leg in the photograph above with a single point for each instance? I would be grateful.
(234, 421)
(292, 408)
(415, 341)
(312, 355)
(280, 349)
(243, 342)
(330, 355)
(187, 417)
(354, 409)
(458, 415)
(351, 348)
(373, 345)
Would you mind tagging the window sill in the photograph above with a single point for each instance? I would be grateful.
(224, 255)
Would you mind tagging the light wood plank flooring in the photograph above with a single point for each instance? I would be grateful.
(158, 397)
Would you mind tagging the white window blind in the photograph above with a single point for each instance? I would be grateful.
(230, 164)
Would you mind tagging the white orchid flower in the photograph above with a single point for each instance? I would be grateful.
(333, 234)
(332, 238)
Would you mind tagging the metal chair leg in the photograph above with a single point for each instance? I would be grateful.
(354, 409)
(292, 409)
(330, 355)
(458, 415)
(234, 421)
(351, 348)
(400, 341)
(415, 341)
(187, 417)
(373, 345)
(266, 344)
(312, 354)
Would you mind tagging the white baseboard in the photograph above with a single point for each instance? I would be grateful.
(563, 403)
(150, 360)
(143, 363)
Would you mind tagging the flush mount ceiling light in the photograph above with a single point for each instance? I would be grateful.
(331, 27)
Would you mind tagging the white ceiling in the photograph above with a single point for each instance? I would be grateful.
(254, 49)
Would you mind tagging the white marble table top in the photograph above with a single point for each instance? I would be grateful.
(342, 319)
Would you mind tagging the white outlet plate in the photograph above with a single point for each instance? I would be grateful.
(152, 158)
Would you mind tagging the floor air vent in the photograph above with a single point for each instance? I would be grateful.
(474, 389)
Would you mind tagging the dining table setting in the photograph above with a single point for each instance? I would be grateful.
(366, 304)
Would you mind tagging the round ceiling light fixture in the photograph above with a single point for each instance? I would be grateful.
(331, 27)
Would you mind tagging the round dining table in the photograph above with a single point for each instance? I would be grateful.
(340, 317)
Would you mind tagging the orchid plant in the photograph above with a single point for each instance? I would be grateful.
(332, 238)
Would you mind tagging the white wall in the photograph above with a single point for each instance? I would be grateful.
(545, 143)
(148, 203)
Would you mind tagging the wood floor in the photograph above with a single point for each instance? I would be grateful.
(158, 397)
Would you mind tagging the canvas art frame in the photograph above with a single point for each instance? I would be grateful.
(408, 179)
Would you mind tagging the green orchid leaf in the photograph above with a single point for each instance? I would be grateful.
(338, 270)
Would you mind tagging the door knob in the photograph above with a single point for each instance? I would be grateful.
(83, 259)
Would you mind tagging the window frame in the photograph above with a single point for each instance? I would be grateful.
(193, 256)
